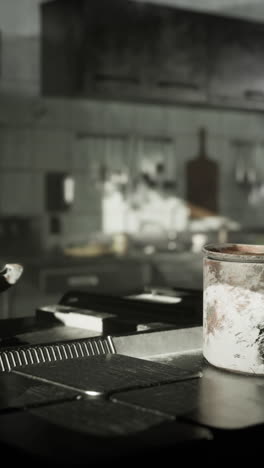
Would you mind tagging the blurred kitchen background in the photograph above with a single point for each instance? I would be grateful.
(131, 134)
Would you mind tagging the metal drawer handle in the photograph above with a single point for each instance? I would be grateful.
(81, 280)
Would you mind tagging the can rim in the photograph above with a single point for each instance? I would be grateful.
(235, 252)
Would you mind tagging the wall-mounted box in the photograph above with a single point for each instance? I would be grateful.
(59, 191)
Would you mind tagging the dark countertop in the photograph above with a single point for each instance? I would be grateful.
(155, 398)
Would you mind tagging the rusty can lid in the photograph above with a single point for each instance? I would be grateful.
(245, 253)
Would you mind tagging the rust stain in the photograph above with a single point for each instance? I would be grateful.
(239, 249)
(214, 267)
(213, 321)
(214, 270)
(240, 306)
(248, 277)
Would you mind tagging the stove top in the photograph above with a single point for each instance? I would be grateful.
(84, 324)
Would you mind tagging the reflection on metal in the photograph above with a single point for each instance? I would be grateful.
(27, 355)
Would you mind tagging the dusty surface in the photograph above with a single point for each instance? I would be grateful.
(234, 315)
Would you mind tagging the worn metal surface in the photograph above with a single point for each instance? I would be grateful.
(20, 392)
(140, 344)
(233, 308)
(220, 400)
(51, 353)
(106, 374)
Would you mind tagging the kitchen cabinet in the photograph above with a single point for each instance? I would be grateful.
(236, 62)
(123, 50)
(143, 52)
(180, 52)
(106, 276)
(148, 52)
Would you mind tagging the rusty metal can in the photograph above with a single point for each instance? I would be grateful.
(233, 307)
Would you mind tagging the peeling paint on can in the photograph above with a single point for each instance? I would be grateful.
(233, 307)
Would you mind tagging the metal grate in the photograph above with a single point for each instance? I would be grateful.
(28, 355)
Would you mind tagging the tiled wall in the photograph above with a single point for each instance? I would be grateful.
(20, 64)
(38, 135)
(20, 29)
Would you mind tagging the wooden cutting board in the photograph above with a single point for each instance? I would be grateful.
(202, 179)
